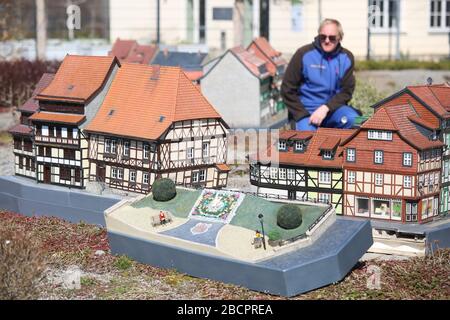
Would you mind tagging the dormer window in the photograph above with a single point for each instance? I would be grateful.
(327, 154)
(379, 135)
(299, 146)
(282, 145)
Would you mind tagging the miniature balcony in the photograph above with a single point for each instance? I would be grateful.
(57, 140)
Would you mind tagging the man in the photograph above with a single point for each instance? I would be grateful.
(319, 82)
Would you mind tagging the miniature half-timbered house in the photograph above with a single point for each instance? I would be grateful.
(432, 106)
(309, 167)
(253, 77)
(155, 123)
(66, 106)
(133, 52)
(22, 133)
(392, 167)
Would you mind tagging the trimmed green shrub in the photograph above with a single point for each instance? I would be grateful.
(164, 190)
(289, 216)
(274, 235)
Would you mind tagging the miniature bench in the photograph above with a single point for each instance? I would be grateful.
(156, 222)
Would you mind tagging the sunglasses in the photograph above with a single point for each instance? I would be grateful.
(323, 37)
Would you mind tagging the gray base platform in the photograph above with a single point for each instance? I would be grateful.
(25, 196)
(326, 261)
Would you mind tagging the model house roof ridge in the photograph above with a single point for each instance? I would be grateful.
(32, 105)
(78, 78)
(149, 98)
(408, 131)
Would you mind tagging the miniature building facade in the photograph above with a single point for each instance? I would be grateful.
(123, 125)
(171, 131)
(432, 106)
(255, 77)
(309, 167)
(22, 133)
(393, 167)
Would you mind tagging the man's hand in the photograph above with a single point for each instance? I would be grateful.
(317, 116)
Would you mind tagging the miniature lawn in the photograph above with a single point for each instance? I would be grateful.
(246, 215)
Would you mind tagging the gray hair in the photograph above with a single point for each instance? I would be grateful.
(335, 22)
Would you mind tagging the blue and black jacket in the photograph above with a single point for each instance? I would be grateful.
(315, 77)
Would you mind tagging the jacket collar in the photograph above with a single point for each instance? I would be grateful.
(335, 52)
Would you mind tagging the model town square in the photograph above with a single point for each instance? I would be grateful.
(224, 150)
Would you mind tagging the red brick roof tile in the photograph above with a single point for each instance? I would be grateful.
(74, 119)
(32, 105)
(20, 129)
(78, 78)
(143, 101)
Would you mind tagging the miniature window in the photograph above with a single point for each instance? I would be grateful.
(195, 176)
(273, 173)
(120, 174)
(379, 135)
(205, 149)
(75, 133)
(20, 162)
(190, 153)
(327, 154)
(324, 197)
(63, 132)
(146, 151)
(282, 173)
(378, 157)
(324, 177)
(107, 146)
(351, 176)
(407, 181)
(126, 148)
(396, 210)
(64, 173)
(44, 131)
(17, 144)
(114, 173)
(113, 146)
(299, 146)
(351, 155)
(407, 159)
(145, 178)
(202, 176)
(381, 208)
(378, 179)
(291, 174)
(282, 145)
(439, 14)
(132, 176)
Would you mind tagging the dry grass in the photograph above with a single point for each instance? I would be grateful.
(111, 277)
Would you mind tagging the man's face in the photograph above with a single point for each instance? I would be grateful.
(329, 37)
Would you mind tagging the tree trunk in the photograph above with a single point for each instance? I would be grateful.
(41, 29)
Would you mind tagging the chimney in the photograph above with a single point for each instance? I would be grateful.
(155, 72)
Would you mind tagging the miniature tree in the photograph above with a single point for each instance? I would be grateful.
(164, 190)
(289, 216)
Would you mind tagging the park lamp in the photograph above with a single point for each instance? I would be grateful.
(260, 216)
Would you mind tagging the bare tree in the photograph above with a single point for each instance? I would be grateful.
(238, 22)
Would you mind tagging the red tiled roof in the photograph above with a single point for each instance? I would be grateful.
(312, 156)
(296, 135)
(262, 48)
(132, 52)
(193, 75)
(422, 122)
(20, 129)
(122, 48)
(426, 94)
(78, 78)
(143, 101)
(330, 143)
(380, 120)
(223, 167)
(74, 119)
(32, 105)
(251, 61)
(400, 115)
